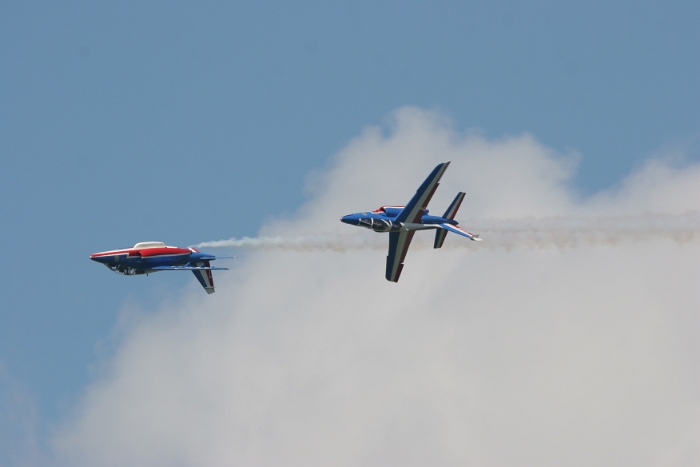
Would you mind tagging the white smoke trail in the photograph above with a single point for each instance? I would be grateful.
(311, 242)
(572, 232)
(560, 231)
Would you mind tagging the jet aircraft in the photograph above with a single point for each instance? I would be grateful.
(148, 257)
(402, 222)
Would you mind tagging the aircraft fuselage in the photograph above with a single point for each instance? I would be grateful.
(382, 221)
(135, 261)
(148, 257)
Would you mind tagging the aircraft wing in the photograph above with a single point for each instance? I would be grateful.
(398, 247)
(413, 211)
(458, 231)
(186, 268)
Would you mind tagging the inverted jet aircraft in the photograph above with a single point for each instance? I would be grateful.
(148, 257)
(402, 222)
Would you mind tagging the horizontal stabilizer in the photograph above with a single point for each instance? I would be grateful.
(202, 272)
(440, 235)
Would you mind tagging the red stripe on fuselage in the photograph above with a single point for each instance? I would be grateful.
(145, 252)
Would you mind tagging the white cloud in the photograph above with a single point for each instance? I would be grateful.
(587, 356)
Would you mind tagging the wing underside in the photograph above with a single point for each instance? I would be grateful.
(202, 271)
(398, 247)
(411, 214)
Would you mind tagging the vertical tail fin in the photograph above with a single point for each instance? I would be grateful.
(205, 277)
(454, 207)
(449, 214)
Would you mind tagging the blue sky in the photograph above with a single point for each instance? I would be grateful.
(184, 122)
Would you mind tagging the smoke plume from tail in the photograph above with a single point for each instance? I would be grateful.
(560, 231)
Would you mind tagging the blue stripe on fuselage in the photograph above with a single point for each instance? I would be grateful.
(148, 262)
(426, 219)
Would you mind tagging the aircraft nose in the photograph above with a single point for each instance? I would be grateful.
(349, 219)
(99, 259)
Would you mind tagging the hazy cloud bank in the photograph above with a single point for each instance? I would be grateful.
(479, 356)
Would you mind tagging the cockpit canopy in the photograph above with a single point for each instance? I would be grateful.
(379, 225)
(142, 245)
(391, 211)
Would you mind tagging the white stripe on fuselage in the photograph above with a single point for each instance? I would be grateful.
(412, 226)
